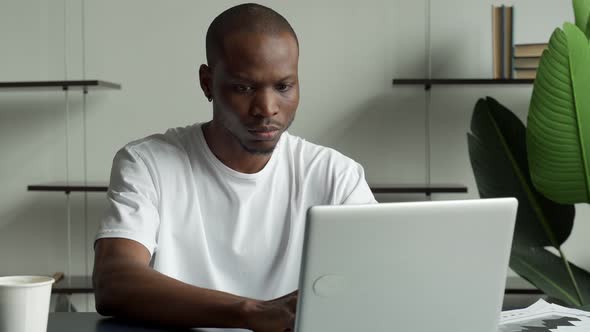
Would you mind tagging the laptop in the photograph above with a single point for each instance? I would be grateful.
(408, 267)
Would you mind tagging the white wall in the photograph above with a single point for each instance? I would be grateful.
(350, 51)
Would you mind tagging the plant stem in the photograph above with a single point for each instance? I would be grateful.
(571, 275)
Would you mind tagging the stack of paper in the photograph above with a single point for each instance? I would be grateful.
(545, 317)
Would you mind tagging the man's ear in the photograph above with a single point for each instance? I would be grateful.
(205, 78)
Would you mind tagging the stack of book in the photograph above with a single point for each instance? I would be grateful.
(526, 59)
(509, 60)
(502, 41)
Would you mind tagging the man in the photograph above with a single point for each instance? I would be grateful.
(205, 223)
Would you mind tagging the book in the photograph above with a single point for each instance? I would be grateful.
(529, 50)
(526, 62)
(507, 43)
(525, 73)
(502, 41)
(497, 42)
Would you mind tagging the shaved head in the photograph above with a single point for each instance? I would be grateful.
(250, 18)
(251, 79)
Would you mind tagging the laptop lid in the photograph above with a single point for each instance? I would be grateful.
(421, 267)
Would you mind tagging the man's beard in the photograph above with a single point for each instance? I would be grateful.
(258, 151)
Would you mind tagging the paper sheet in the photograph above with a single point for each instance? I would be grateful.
(544, 317)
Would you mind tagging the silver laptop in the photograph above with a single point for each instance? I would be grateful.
(412, 267)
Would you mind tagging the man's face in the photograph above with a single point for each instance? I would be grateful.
(256, 88)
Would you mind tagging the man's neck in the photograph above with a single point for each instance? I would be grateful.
(225, 147)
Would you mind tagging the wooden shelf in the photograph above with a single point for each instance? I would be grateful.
(517, 285)
(391, 189)
(59, 85)
(419, 189)
(83, 285)
(523, 291)
(428, 83)
(73, 285)
(68, 188)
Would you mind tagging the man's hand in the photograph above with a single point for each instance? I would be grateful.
(276, 315)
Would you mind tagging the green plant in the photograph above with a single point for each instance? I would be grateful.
(498, 153)
(547, 162)
(558, 134)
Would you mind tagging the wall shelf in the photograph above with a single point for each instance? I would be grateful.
(83, 284)
(73, 285)
(59, 85)
(419, 189)
(428, 83)
(517, 285)
(71, 187)
(391, 189)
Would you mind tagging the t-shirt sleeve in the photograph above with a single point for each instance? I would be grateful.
(132, 211)
(355, 189)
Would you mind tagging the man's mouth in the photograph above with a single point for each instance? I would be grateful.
(264, 133)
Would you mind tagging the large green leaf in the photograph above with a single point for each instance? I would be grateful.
(497, 149)
(498, 153)
(582, 12)
(558, 135)
(547, 272)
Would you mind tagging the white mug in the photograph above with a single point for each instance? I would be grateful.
(24, 303)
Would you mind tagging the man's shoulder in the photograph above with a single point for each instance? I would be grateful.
(312, 153)
(173, 142)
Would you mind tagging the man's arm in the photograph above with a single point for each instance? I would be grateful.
(127, 287)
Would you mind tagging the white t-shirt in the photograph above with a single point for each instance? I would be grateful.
(213, 227)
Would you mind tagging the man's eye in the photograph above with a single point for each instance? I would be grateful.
(283, 87)
(241, 88)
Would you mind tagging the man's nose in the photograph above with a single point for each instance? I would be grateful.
(265, 103)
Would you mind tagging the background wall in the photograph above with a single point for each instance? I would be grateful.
(350, 51)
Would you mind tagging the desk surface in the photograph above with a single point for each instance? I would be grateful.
(93, 322)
